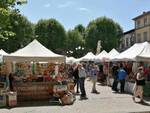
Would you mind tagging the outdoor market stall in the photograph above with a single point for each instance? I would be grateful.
(35, 70)
(2, 79)
(70, 60)
(88, 57)
(138, 54)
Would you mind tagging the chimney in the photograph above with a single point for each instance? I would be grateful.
(144, 12)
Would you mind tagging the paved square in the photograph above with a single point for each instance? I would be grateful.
(105, 102)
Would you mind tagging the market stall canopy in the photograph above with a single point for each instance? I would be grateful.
(145, 54)
(2, 53)
(113, 53)
(131, 53)
(34, 51)
(88, 57)
(70, 60)
(103, 56)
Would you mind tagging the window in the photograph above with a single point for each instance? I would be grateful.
(131, 40)
(138, 37)
(138, 24)
(127, 44)
(145, 21)
(145, 36)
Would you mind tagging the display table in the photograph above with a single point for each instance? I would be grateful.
(34, 90)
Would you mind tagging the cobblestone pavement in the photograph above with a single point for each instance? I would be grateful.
(105, 102)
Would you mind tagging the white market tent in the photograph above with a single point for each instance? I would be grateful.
(70, 60)
(2, 52)
(133, 52)
(113, 53)
(145, 54)
(102, 56)
(34, 51)
(88, 57)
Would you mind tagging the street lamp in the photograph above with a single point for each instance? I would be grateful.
(79, 50)
(69, 52)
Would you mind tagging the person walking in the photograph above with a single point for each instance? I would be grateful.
(115, 77)
(121, 76)
(140, 82)
(82, 76)
(94, 74)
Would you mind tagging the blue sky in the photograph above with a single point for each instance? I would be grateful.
(73, 12)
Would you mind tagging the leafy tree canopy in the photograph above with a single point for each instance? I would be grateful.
(104, 29)
(23, 30)
(51, 34)
(7, 7)
(74, 40)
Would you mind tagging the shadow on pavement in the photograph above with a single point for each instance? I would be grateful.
(35, 104)
(147, 98)
(144, 103)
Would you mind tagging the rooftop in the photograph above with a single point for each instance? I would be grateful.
(130, 31)
(143, 14)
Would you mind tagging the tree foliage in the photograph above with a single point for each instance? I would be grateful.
(23, 30)
(7, 7)
(104, 29)
(51, 34)
(81, 29)
(73, 41)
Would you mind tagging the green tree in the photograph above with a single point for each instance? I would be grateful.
(73, 41)
(51, 34)
(7, 7)
(104, 29)
(81, 29)
(23, 30)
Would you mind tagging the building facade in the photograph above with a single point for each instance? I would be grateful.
(128, 40)
(142, 27)
(140, 33)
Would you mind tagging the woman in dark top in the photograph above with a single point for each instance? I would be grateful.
(76, 78)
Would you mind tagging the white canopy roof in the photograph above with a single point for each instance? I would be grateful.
(131, 53)
(102, 56)
(145, 54)
(88, 57)
(113, 53)
(70, 60)
(2, 52)
(35, 51)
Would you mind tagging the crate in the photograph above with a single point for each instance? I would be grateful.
(12, 99)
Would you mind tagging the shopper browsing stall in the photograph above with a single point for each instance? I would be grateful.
(121, 76)
(76, 77)
(140, 82)
(115, 77)
(82, 76)
(94, 73)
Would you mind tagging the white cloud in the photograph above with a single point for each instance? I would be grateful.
(47, 5)
(84, 9)
(66, 4)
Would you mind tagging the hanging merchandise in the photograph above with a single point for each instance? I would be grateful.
(33, 68)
